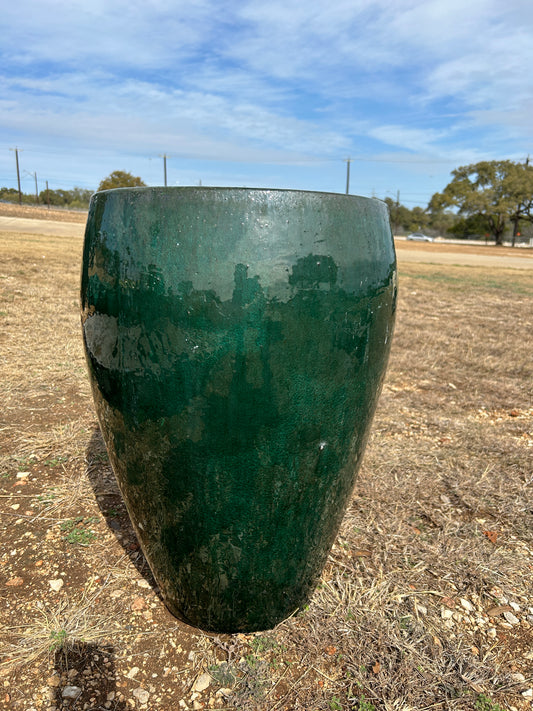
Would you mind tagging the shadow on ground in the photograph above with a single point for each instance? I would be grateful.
(85, 677)
(111, 505)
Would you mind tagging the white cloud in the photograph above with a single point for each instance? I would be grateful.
(145, 116)
(416, 140)
(279, 80)
(117, 33)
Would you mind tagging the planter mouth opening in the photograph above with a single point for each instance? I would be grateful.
(229, 189)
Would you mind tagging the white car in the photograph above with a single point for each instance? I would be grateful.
(419, 237)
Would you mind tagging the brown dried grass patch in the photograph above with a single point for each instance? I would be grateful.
(438, 535)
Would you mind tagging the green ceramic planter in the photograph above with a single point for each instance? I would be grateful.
(236, 340)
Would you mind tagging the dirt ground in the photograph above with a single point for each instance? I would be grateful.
(426, 601)
(468, 254)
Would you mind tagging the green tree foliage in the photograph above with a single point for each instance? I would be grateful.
(442, 219)
(120, 179)
(405, 220)
(468, 227)
(10, 195)
(77, 198)
(521, 182)
(498, 191)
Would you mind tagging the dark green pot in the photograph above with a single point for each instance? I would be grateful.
(237, 341)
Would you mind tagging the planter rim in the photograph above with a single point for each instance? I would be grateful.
(214, 188)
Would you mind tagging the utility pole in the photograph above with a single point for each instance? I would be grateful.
(164, 157)
(348, 161)
(18, 172)
(397, 215)
(34, 175)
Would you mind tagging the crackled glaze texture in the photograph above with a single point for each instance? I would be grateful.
(236, 340)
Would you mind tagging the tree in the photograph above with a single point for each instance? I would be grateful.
(473, 226)
(79, 197)
(405, 220)
(498, 191)
(521, 179)
(442, 218)
(120, 179)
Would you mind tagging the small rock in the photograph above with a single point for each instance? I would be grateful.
(202, 682)
(467, 605)
(138, 604)
(142, 583)
(421, 609)
(448, 601)
(511, 619)
(197, 705)
(491, 632)
(111, 696)
(141, 695)
(132, 672)
(53, 680)
(15, 507)
(56, 585)
(71, 692)
(528, 694)
(515, 606)
(224, 692)
(446, 613)
(518, 677)
(15, 582)
(498, 610)
(23, 475)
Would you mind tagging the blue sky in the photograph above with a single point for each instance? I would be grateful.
(265, 93)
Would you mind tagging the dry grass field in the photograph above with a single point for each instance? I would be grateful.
(427, 600)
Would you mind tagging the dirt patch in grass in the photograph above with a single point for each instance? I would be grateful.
(426, 601)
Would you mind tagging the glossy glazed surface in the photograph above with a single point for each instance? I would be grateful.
(237, 341)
